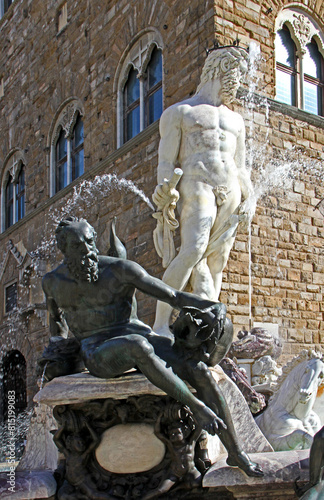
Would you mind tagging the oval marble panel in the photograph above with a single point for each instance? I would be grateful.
(129, 448)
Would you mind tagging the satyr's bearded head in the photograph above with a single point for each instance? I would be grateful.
(228, 64)
(77, 241)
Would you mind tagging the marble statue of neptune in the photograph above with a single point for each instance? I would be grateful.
(203, 143)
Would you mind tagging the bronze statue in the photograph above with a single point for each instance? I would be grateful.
(93, 296)
(180, 438)
(314, 488)
(77, 453)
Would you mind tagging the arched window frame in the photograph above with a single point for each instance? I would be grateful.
(137, 56)
(65, 122)
(15, 165)
(303, 30)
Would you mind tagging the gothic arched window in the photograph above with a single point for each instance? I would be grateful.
(143, 96)
(13, 191)
(299, 61)
(139, 86)
(67, 148)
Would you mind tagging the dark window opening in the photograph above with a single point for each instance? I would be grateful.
(132, 106)
(10, 298)
(7, 4)
(61, 162)
(154, 98)
(9, 200)
(20, 195)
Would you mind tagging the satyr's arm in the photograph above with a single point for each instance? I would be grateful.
(137, 277)
(240, 161)
(58, 324)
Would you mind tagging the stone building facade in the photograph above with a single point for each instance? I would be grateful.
(64, 62)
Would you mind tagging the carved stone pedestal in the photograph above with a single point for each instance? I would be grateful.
(124, 438)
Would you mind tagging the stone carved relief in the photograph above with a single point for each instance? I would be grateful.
(303, 30)
(80, 436)
(69, 117)
(67, 120)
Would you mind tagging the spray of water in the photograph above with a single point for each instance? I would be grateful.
(85, 196)
(22, 423)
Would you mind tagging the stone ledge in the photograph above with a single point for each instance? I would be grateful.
(281, 469)
(81, 387)
(28, 486)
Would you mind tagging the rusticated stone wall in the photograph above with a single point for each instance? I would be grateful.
(42, 68)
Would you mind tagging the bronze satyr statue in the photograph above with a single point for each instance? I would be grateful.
(93, 296)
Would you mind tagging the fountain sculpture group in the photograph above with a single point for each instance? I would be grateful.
(126, 434)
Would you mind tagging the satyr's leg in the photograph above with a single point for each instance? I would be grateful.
(198, 214)
(119, 354)
(200, 377)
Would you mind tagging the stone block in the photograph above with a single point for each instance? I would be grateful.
(280, 470)
(31, 485)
